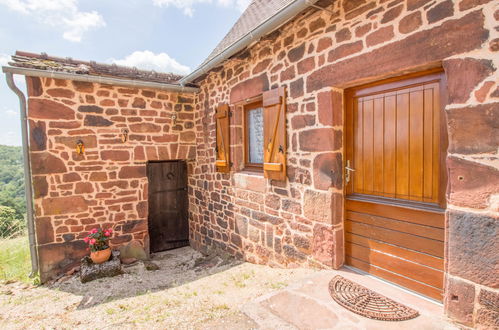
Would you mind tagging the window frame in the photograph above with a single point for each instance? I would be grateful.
(251, 105)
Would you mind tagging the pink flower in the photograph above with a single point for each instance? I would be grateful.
(92, 241)
(110, 230)
(93, 231)
(107, 234)
(86, 239)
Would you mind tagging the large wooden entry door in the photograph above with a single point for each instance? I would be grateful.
(394, 209)
(168, 205)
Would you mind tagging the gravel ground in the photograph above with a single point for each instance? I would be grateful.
(189, 291)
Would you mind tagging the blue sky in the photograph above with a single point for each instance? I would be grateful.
(164, 35)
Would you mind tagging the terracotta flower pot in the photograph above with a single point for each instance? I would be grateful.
(99, 257)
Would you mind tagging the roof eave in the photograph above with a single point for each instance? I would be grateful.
(99, 79)
(267, 26)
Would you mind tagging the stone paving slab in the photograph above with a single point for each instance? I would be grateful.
(308, 305)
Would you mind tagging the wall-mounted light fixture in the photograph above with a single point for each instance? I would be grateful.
(124, 135)
(80, 147)
(174, 119)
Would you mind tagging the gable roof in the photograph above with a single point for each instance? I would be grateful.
(68, 65)
(260, 18)
(257, 12)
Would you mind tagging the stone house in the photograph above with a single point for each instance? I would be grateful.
(317, 134)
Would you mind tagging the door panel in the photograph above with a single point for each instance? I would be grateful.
(168, 205)
(396, 137)
(394, 222)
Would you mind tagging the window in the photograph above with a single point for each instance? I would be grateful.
(253, 136)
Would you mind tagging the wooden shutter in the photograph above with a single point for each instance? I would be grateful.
(274, 134)
(223, 139)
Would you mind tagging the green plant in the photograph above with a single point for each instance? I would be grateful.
(15, 260)
(10, 223)
(97, 239)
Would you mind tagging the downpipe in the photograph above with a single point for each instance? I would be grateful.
(28, 191)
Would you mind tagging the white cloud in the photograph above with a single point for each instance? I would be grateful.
(4, 59)
(11, 113)
(147, 60)
(63, 14)
(187, 6)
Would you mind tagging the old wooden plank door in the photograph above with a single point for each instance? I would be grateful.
(168, 205)
(394, 209)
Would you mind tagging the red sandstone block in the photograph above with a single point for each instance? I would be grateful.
(306, 65)
(76, 229)
(46, 163)
(343, 35)
(320, 139)
(139, 102)
(107, 103)
(71, 177)
(98, 176)
(44, 230)
(83, 188)
(459, 301)
(145, 128)
(34, 86)
(64, 205)
(128, 90)
(482, 118)
(115, 155)
(261, 66)
(379, 36)
(362, 30)
(151, 153)
(317, 206)
(410, 22)
(82, 86)
(102, 93)
(64, 124)
(344, 50)
(60, 92)
(471, 184)
(463, 75)
(328, 171)
(148, 113)
(128, 172)
(188, 136)
(301, 121)
(156, 105)
(48, 109)
(440, 11)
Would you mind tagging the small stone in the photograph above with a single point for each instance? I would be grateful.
(133, 250)
(129, 261)
(149, 265)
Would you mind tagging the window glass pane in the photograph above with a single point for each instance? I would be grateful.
(255, 135)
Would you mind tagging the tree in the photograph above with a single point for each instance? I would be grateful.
(12, 188)
(10, 224)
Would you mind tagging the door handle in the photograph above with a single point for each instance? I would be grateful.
(348, 171)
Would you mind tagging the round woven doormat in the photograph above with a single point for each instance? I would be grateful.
(365, 302)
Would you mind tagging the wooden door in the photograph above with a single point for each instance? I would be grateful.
(394, 209)
(168, 205)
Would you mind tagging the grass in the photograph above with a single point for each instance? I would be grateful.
(15, 262)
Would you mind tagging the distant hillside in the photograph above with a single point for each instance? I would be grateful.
(12, 185)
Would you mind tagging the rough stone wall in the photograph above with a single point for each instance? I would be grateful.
(107, 185)
(317, 56)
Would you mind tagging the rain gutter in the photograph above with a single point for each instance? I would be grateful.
(99, 79)
(267, 26)
(28, 191)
